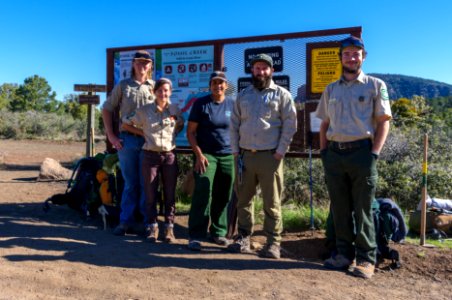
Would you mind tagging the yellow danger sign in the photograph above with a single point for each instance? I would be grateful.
(325, 68)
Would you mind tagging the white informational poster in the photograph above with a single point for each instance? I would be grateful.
(314, 122)
(123, 64)
(189, 70)
(188, 67)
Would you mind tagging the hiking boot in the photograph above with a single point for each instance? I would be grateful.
(220, 240)
(169, 234)
(152, 233)
(194, 245)
(271, 251)
(121, 229)
(338, 262)
(242, 244)
(364, 269)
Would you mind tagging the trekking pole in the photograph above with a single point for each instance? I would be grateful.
(312, 227)
(424, 192)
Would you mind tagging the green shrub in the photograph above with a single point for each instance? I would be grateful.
(40, 125)
(185, 163)
(400, 167)
(295, 217)
(299, 217)
(296, 182)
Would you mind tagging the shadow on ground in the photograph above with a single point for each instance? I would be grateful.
(62, 234)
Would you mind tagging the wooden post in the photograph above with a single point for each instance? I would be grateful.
(424, 192)
(90, 130)
(90, 99)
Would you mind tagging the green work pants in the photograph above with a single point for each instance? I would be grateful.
(351, 178)
(263, 169)
(213, 190)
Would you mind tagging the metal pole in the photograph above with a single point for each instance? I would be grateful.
(310, 188)
(310, 137)
(424, 192)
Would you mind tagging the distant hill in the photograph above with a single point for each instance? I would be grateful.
(402, 86)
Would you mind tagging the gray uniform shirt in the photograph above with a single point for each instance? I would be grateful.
(129, 95)
(159, 128)
(353, 107)
(263, 120)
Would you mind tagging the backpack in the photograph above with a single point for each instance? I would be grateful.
(438, 222)
(389, 226)
(111, 186)
(82, 188)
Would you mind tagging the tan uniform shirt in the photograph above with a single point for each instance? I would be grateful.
(263, 120)
(160, 128)
(352, 108)
(129, 95)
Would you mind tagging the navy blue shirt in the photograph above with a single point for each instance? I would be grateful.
(212, 133)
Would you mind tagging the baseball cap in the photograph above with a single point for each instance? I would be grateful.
(264, 58)
(218, 75)
(142, 55)
(352, 41)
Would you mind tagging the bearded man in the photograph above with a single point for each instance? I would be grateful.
(263, 123)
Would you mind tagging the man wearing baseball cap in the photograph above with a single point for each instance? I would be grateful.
(263, 122)
(355, 114)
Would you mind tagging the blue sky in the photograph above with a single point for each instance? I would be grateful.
(65, 41)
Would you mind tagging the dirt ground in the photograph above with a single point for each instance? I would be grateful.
(59, 255)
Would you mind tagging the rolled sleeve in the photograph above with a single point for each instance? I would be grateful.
(139, 117)
(382, 103)
(114, 99)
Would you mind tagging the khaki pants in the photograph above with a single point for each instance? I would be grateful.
(261, 168)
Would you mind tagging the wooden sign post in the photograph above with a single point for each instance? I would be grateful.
(89, 99)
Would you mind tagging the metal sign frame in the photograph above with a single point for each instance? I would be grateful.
(300, 138)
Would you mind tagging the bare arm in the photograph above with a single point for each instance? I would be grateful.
(132, 129)
(380, 133)
(201, 161)
(107, 118)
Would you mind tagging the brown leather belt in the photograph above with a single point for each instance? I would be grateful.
(255, 150)
(159, 152)
(344, 146)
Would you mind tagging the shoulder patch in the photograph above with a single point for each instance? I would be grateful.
(384, 94)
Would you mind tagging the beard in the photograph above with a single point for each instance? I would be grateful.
(355, 70)
(261, 82)
(350, 71)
